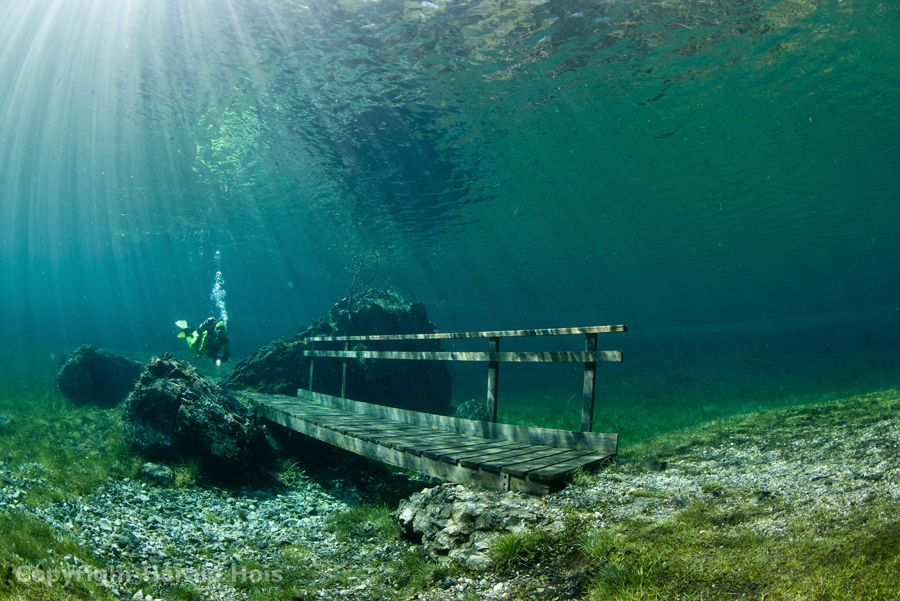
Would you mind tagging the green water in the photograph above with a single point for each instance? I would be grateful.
(720, 176)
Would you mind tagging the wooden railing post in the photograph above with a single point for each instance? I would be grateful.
(493, 391)
(590, 379)
(344, 373)
(312, 363)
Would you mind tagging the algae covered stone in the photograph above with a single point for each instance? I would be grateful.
(174, 413)
(91, 376)
(282, 368)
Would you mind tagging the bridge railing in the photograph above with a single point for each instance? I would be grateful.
(590, 357)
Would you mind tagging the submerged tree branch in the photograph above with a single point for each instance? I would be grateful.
(363, 281)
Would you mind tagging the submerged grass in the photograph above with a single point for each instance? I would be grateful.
(62, 450)
(709, 551)
(32, 565)
(694, 557)
(51, 450)
(364, 522)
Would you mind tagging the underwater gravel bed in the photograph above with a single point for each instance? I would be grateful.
(797, 468)
(206, 536)
(790, 469)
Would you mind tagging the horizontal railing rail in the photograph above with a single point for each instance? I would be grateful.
(498, 334)
(590, 357)
(528, 357)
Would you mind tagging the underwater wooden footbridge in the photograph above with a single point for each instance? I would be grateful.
(480, 453)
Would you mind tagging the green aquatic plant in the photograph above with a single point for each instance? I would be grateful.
(413, 571)
(88, 446)
(187, 473)
(364, 521)
(581, 477)
(518, 549)
(183, 592)
(32, 561)
(708, 554)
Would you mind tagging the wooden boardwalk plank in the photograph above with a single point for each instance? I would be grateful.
(423, 447)
(388, 435)
(476, 460)
(379, 437)
(458, 445)
(535, 460)
(410, 442)
(593, 441)
(503, 463)
(561, 470)
(462, 447)
(541, 461)
(362, 429)
(455, 457)
(476, 454)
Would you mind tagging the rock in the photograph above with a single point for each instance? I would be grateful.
(452, 521)
(478, 562)
(160, 474)
(173, 413)
(474, 410)
(654, 465)
(281, 368)
(94, 376)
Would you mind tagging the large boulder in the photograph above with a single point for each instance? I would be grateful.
(281, 367)
(94, 376)
(173, 413)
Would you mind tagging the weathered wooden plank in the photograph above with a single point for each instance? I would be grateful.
(424, 447)
(411, 442)
(352, 420)
(420, 464)
(344, 372)
(595, 441)
(475, 456)
(540, 461)
(530, 357)
(377, 435)
(560, 470)
(531, 467)
(507, 455)
(500, 333)
(423, 439)
(462, 445)
(465, 445)
(590, 378)
(493, 383)
(504, 463)
(419, 444)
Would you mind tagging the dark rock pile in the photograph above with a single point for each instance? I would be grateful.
(173, 412)
(474, 410)
(94, 376)
(281, 367)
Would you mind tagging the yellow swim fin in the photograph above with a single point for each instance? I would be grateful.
(183, 325)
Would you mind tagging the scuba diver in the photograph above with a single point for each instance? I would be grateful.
(208, 338)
